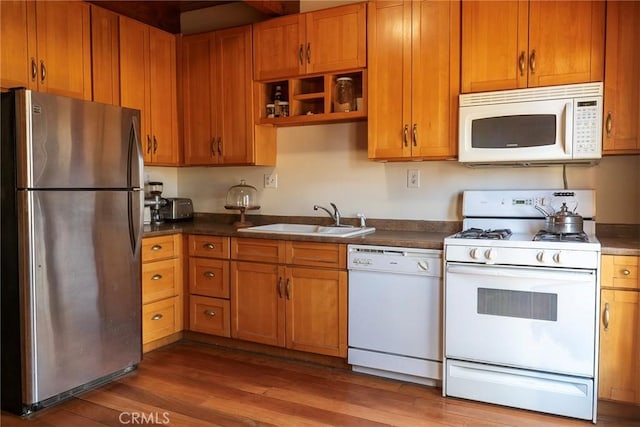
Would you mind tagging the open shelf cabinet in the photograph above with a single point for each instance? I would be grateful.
(311, 99)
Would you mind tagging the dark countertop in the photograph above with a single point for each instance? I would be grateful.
(615, 239)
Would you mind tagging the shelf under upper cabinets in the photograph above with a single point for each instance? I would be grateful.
(311, 99)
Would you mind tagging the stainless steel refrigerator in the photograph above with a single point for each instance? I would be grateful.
(71, 229)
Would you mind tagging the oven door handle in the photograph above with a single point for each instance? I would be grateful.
(566, 274)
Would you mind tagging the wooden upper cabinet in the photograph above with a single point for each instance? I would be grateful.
(105, 57)
(621, 127)
(148, 83)
(218, 101)
(412, 116)
(46, 46)
(516, 44)
(316, 42)
(18, 64)
(277, 47)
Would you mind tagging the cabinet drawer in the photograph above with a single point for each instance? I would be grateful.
(333, 255)
(160, 319)
(209, 315)
(209, 277)
(208, 246)
(620, 272)
(160, 279)
(261, 250)
(161, 247)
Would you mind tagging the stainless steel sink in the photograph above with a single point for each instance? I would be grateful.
(309, 230)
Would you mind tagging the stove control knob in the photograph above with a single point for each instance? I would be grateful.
(540, 257)
(490, 254)
(473, 253)
(556, 258)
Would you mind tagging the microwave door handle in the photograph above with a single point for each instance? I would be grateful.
(568, 128)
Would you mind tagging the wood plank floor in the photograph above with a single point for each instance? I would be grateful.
(193, 384)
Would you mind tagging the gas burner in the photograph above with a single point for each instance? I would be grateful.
(545, 236)
(477, 233)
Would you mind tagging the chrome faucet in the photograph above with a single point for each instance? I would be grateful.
(335, 215)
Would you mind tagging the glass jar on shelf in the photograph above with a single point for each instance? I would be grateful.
(343, 95)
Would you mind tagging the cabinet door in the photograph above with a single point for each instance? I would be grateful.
(566, 42)
(200, 146)
(134, 75)
(621, 128)
(336, 39)
(162, 97)
(105, 60)
(435, 54)
(257, 302)
(233, 95)
(316, 310)
(64, 48)
(620, 346)
(278, 47)
(18, 63)
(494, 45)
(389, 38)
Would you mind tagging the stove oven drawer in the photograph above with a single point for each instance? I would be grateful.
(533, 318)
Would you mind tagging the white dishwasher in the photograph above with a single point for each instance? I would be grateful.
(395, 312)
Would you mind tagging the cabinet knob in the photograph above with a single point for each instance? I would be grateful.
(209, 246)
(156, 316)
(156, 277)
(532, 61)
(521, 63)
(209, 313)
(156, 247)
(605, 317)
(43, 72)
(626, 272)
(34, 70)
(209, 274)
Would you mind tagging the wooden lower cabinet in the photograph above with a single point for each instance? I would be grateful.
(619, 377)
(294, 306)
(162, 301)
(209, 306)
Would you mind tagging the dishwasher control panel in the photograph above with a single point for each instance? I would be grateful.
(395, 260)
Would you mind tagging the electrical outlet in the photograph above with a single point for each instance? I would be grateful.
(413, 178)
(271, 180)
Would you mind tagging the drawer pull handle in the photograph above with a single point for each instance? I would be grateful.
(210, 313)
(156, 247)
(287, 288)
(626, 272)
(209, 246)
(34, 69)
(532, 61)
(521, 63)
(43, 72)
(209, 274)
(157, 316)
(605, 319)
(156, 277)
(609, 124)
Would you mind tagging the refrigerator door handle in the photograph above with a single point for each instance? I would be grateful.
(135, 207)
(135, 159)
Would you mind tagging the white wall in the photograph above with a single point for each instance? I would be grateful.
(328, 163)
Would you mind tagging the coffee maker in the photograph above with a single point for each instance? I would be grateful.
(153, 199)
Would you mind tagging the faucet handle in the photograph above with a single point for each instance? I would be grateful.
(363, 220)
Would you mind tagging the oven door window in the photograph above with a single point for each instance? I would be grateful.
(535, 318)
(517, 131)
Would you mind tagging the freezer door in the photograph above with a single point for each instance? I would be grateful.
(69, 143)
(81, 288)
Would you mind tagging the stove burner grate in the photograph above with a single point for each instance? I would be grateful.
(546, 236)
(478, 233)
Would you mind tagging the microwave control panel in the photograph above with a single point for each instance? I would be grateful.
(587, 139)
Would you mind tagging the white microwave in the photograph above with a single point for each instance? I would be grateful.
(545, 125)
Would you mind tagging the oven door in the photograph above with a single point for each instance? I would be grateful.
(528, 317)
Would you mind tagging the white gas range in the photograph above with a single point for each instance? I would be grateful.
(521, 307)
